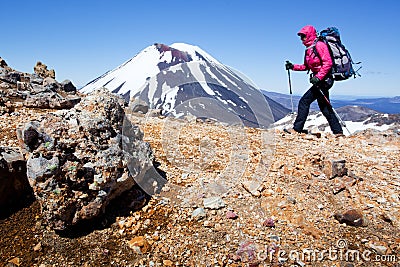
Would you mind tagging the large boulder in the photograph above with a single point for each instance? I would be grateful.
(76, 164)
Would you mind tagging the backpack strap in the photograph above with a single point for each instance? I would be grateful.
(314, 50)
(321, 39)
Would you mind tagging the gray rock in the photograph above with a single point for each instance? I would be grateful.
(77, 162)
(50, 83)
(48, 100)
(140, 106)
(14, 77)
(199, 214)
(213, 203)
(35, 79)
(30, 136)
(381, 249)
(68, 86)
(39, 168)
(14, 186)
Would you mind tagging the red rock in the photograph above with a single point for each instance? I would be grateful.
(269, 222)
(231, 215)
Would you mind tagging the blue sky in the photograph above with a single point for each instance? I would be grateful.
(83, 39)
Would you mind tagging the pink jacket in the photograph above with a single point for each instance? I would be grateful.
(320, 67)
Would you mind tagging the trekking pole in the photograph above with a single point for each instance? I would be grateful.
(334, 111)
(290, 88)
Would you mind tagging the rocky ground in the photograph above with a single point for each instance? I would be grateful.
(225, 196)
(236, 197)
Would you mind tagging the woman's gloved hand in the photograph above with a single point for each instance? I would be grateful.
(289, 65)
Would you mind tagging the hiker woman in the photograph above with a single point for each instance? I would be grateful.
(320, 65)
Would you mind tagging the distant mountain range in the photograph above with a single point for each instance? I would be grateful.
(182, 79)
(355, 119)
(357, 114)
(390, 105)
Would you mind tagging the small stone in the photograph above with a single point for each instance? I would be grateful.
(141, 243)
(253, 187)
(218, 227)
(381, 200)
(269, 223)
(208, 224)
(247, 251)
(352, 218)
(291, 200)
(167, 262)
(334, 168)
(213, 203)
(166, 188)
(380, 247)
(231, 215)
(315, 131)
(199, 214)
(38, 247)
(341, 183)
(275, 238)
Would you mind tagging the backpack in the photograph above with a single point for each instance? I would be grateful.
(342, 64)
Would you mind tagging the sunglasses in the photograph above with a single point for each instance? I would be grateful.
(302, 36)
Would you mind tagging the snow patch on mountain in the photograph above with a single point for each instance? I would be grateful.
(147, 64)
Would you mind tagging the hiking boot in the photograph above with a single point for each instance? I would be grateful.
(339, 135)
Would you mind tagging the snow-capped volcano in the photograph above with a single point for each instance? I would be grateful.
(131, 75)
(183, 79)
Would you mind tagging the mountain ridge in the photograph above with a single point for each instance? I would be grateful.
(183, 79)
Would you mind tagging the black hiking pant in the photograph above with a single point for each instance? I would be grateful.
(310, 96)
